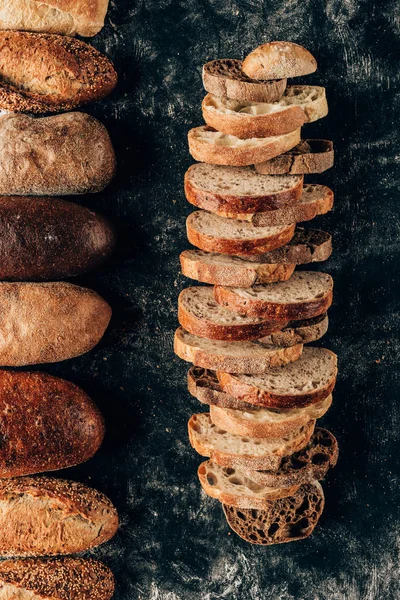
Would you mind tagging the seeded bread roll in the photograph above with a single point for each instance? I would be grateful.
(279, 59)
(306, 246)
(203, 384)
(310, 156)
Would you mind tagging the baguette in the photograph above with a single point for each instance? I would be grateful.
(49, 322)
(203, 384)
(42, 516)
(68, 17)
(55, 579)
(61, 426)
(306, 246)
(42, 73)
(310, 156)
(36, 244)
(275, 60)
(52, 156)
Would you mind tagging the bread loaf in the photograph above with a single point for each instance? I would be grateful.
(275, 60)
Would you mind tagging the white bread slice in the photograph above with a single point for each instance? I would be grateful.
(230, 486)
(232, 357)
(306, 246)
(216, 148)
(201, 315)
(310, 156)
(203, 384)
(230, 450)
(299, 332)
(306, 381)
(239, 189)
(305, 295)
(215, 234)
(275, 60)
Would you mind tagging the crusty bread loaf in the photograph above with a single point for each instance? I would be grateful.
(308, 380)
(305, 295)
(42, 73)
(67, 17)
(239, 452)
(212, 233)
(310, 156)
(239, 189)
(232, 356)
(47, 424)
(306, 246)
(275, 60)
(267, 422)
(54, 156)
(49, 322)
(311, 463)
(42, 516)
(201, 315)
(229, 485)
(210, 146)
(284, 520)
(225, 79)
(203, 384)
(36, 244)
(55, 579)
(299, 332)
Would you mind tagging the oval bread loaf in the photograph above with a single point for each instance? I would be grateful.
(49, 322)
(279, 59)
(43, 516)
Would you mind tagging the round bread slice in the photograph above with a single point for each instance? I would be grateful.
(239, 189)
(235, 451)
(201, 315)
(215, 234)
(312, 462)
(299, 332)
(229, 485)
(267, 422)
(284, 520)
(221, 269)
(216, 148)
(306, 381)
(275, 60)
(310, 156)
(306, 246)
(203, 384)
(305, 295)
(224, 78)
(233, 357)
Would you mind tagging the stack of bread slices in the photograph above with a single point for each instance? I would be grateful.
(246, 331)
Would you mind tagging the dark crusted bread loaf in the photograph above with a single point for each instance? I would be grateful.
(310, 156)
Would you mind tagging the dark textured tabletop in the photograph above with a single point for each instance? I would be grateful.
(174, 543)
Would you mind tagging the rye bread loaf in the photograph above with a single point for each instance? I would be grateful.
(311, 463)
(43, 516)
(232, 356)
(212, 233)
(306, 246)
(235, 451)
(284, 520)
(49, 322)
(55, 579)
(68, 17)
(202, 316)
(299, 332)
(229, 485)
(224, 78)
(308, 380)
(274, 60)
(54, 156)
(203, 384)
(46, 424)
(310, 156)
(43, 73)
(36, 244)
(305, 295)
(211, 146)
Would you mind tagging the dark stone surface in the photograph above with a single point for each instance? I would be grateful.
(174, 543)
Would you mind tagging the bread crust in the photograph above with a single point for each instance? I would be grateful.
(204, 385)
(306, 246)
(43, 73)
(239, 156)
(310, 156)
(279, 59)
(225, 79)
(298, 332)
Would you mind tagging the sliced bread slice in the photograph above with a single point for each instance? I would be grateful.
(284, 520)
(233, 357)
(306, 246)
(299, 332)
(229, 485)
(267, 422)
(224, 78)
(310, 156)
(215, 234)
(305, 295)
(312, 462)
(216, 148)
(239, 189)
(203, 384)
(306, 381)
(274, 60)
(230, 450)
